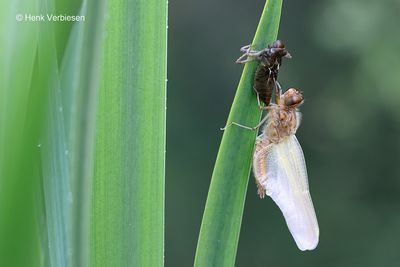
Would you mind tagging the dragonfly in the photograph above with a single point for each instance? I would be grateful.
(280, 169)
(270, 60)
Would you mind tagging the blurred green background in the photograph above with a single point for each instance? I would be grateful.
(346, 61)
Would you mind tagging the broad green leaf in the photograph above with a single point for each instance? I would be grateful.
(21, 118)
(82, 127)
(128, 185)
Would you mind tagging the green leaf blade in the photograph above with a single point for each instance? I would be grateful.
(128, 185)
(21, 118)
(222, 217)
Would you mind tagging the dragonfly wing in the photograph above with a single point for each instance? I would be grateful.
(287, 185)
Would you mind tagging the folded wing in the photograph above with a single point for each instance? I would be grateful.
(287, 185)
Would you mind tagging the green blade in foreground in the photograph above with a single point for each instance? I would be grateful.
(128, 185)
(220, 228)
(83, 130)
(22, 104)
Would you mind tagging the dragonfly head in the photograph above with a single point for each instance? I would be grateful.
(292, 98)
(273, 54)
(279, 50)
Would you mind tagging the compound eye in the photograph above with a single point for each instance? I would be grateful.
(293, 101)
(278, 44)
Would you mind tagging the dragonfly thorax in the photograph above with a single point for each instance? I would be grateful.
(281, 122)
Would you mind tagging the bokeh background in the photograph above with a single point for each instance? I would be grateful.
(346, 61)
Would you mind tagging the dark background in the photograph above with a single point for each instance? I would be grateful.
(346, 60)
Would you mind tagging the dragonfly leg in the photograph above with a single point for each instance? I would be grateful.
(242, 61)
(260, 105)
(245, 48)
(248, 54)
(278, 91)
(244, 126)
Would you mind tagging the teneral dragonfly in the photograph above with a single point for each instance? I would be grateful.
(280, 169)
(270, 59)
